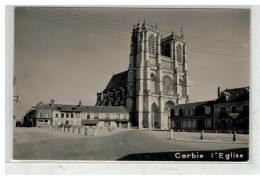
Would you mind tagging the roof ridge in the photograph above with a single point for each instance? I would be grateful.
(236, 88)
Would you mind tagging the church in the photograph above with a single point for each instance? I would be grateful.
(156, 80)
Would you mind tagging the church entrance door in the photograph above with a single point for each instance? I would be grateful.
(167, 114)
(155, 117)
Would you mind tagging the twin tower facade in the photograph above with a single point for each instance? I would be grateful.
(156, 79)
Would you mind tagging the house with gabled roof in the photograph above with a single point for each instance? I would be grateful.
(193, 116)
(232, 109)
(78, 115)
(229, 111)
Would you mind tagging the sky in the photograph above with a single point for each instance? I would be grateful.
(70, 54)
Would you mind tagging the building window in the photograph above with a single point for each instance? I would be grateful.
(88, 115)
(106, 124)
(188, 112)
(77, 115)
(72, 115)
(208, 123)
(193, 112)
(46, 120)
(151, 43)
(189, 123)
(67, 115)
(62, 115)
(117, 116)
(234, 109)
(59, 107)
(207, 110)
(193, 123)
(172, 113)
(107, 116)
(96, 115)
(223, 112)
(245, 112)
(180, 112)
(40, 115)
(57, 115)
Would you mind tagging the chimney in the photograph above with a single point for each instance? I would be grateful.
(52, 103)
(79, 103)
(219, 91)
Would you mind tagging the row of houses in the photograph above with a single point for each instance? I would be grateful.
(229, 111)
(76, 115)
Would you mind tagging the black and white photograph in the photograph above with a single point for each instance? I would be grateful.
(131, 84)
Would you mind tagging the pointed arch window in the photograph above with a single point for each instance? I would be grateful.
(179, 53)
(153, 83)
(151, 43)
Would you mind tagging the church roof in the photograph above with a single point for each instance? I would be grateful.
(118, 80)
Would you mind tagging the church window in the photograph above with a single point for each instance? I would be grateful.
(167, 85)
(179, 55)
(151, 42)
(166, 50)
(153, 83)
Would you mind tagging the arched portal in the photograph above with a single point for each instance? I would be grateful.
(155, 117)
(167, 114)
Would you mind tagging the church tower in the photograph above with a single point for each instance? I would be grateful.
(157, 76)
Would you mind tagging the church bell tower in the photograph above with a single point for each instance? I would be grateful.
(157, 76)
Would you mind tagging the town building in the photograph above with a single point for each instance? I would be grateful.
(156, 80)
(77, 115)
(229, 111)
(232, 109)
(193, 116)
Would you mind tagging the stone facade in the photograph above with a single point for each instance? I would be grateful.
(156, 81)
(76, 115)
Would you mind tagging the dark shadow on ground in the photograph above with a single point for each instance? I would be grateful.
(241, 154)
